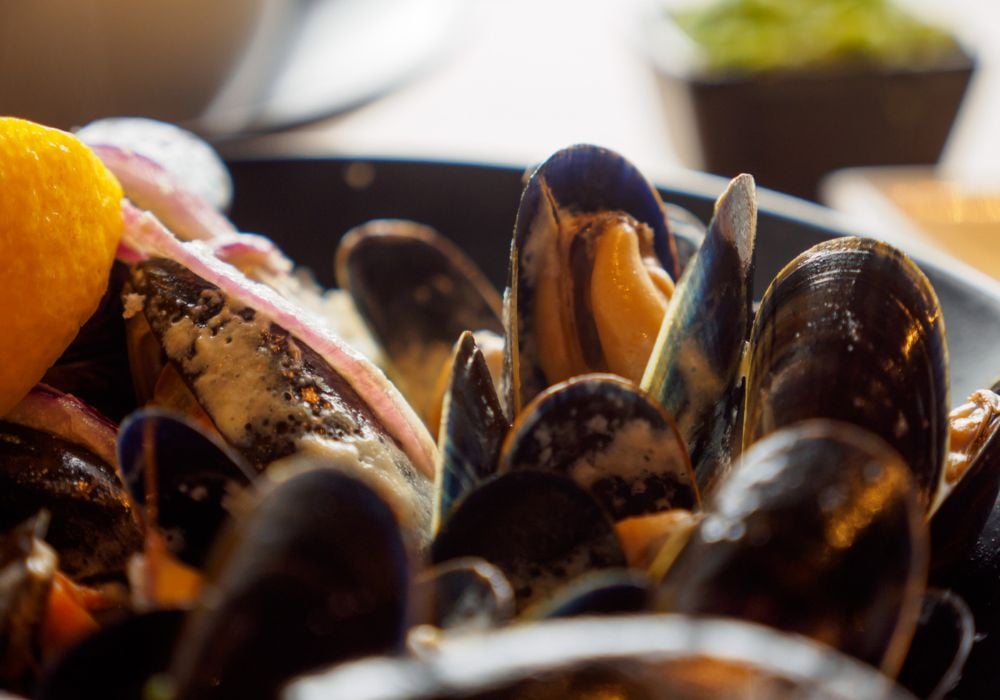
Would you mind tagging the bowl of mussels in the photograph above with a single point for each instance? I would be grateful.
(552, 434)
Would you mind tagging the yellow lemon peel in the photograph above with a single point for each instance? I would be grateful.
(60, 221)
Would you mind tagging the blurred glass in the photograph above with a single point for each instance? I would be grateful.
(66, 62)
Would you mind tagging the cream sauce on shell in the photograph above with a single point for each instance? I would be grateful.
(270, 397)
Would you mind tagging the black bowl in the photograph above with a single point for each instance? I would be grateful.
(791, 128)
(306, 205)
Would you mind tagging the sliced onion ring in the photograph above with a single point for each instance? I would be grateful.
(151, 186)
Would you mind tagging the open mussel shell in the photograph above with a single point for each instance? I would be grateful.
(589, 178)
(558, 224)
(852, 330)
(317, 572)
(417, 292)
(539, 528)
(117, 662)
(192, 473)
(940, 647)
(270, 394)
(267, 390)
(629, 657)
(473, 426)
(94, 524)
(463, 594)
(612, 439)
(817, 531)
(695, 367)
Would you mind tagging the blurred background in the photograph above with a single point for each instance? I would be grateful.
(885, 111)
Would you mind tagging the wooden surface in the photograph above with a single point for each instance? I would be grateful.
(923, 210)
(962, 223)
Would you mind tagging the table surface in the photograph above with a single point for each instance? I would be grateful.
(521, 79)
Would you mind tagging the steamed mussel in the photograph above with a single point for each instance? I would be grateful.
(620, 439)
(593, 265)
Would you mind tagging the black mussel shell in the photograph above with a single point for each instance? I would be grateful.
(116, 663)
(612, 439)
(579, 180)
(940, 646)
(467, 593)
(695, 368)
(975, 572)
(539, 528)
(194, 476)
(94, 526)
(472, 427)
(295, 391)
(417, 292)
(851, 330)
(975, 578)
(607, 592)
(589, 178)
(269, 394)
(817, 531)
(315, 574)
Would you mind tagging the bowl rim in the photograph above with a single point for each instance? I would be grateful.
(697, 183)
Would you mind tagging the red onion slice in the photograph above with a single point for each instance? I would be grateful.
(145, 234)
(150, 186)
(49, 410)
(126, 253)
(249, 251)
(189, 158)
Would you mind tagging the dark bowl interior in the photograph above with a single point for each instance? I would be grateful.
(306, 205)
